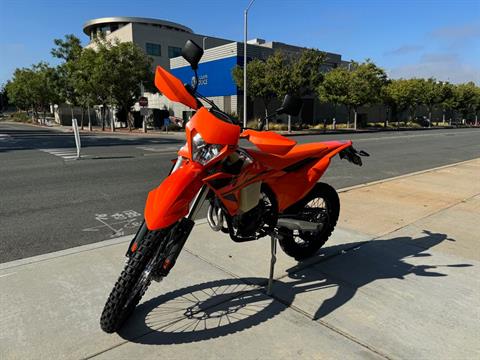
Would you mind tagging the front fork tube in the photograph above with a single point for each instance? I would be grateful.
(181, 231)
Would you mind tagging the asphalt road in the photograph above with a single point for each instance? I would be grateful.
(49, 202)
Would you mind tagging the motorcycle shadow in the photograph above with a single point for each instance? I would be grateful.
(222, 307)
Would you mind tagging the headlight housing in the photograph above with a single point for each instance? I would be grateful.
(203, 152)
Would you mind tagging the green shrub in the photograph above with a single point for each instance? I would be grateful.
(20, 116)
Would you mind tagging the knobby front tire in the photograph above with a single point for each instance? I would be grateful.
(127, 293)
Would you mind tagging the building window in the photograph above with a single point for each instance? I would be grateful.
(153, 49)
(174, 52)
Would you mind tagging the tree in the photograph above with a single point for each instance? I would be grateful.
(334, 88)
(403, 94)
(123, 67)
(476, 106)
(431, 95)
(306, 71)
(258, 85)
(366, 82)
(86, 82)
(353, 88)
(34, 88)
(448, 100)
(465, 99)
(68, 50)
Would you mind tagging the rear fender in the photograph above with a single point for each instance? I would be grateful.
(170, 201)
(317, 170)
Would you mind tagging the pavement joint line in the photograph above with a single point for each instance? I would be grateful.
(381, 181)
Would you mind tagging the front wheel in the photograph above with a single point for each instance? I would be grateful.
(132, 283)
(321, 205)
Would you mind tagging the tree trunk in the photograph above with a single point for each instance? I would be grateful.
(266, 116)
(112, 121)
(430, 116)
(81, 120)
(102, 114)
(130, 123)
(89, 119)
(71, 110)
(355, 115)
(348, 121)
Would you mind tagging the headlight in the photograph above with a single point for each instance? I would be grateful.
(203, 152)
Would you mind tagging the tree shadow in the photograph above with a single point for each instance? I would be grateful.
(221, 307)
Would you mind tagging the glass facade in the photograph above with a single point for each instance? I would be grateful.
(153, 49)
(174, 52)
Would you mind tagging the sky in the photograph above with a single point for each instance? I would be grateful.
(409, 38)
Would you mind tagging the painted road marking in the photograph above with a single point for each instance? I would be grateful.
(117, 223)
(5, 137)
(159, 149)
(66, 154)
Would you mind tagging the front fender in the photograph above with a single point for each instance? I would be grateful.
(170, 201)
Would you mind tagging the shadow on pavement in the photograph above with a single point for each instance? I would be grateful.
(221, 307)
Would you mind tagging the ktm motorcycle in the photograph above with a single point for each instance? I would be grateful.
(270, 190)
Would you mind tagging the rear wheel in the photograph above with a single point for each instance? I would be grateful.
(322, 206)
(132, 283)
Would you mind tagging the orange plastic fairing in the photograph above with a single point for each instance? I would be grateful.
(170, 201)
(212, 129)
(269, 141)
(173, 88)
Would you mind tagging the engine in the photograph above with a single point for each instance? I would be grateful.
(260, 220)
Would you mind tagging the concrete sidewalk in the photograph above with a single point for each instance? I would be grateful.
(398, 279)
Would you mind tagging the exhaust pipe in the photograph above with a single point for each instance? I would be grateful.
(296, 224)
(216, 225)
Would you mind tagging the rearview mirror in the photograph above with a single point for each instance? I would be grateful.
(192, 53)
(291, 105)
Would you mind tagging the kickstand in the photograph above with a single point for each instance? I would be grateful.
(272, 264)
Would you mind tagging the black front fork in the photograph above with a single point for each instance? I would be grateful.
(177, 236)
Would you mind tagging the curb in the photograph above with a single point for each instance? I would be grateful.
(154, 133)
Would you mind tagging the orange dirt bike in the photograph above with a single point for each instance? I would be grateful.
(252, 193)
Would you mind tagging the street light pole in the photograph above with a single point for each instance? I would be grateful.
(245, 15)
(204, 38)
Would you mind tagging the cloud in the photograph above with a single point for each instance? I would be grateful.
(440, 58)
(452, 71)
(405, 49)
(461, 32)
(463, 37)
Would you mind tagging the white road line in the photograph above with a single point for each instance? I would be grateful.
(401, 137)
(160, 149)
(5, 137)
(65, 154)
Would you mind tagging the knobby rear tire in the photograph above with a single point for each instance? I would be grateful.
(115, 311)
(301, 251)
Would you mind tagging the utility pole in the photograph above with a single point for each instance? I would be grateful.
(245, 15)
